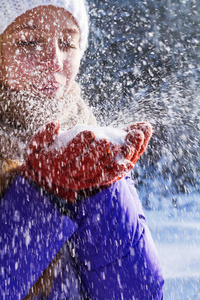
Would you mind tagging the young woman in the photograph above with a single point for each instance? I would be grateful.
(72, 226)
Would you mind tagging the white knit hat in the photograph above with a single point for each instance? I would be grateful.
(11, 9)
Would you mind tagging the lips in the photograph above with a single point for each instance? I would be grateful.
(50, 88)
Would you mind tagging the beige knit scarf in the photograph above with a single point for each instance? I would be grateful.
(21, 114)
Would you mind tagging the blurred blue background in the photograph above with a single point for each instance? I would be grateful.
(142, 63)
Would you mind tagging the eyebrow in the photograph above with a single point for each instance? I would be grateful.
(71, 31)
(30, 27)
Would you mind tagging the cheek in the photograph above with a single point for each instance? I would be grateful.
(71, 67)
(16, 68)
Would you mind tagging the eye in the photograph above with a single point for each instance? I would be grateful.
(28, 44)
(66, 45)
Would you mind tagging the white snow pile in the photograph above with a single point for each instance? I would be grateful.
(113, 135)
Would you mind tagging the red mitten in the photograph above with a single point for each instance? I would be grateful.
(66, 170)
(137, 140)
(85, 162)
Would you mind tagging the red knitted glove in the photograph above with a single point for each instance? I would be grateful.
(85, 162)
(137, 140)
(67, 170)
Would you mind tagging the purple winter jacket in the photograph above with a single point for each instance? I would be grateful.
(110, 244)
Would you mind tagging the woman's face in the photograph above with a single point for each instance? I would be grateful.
(40, 52)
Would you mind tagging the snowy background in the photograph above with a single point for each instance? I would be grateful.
(143, 64)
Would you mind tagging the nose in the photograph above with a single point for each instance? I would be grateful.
(53, 60)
